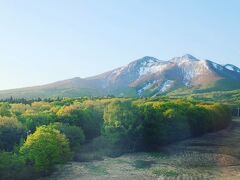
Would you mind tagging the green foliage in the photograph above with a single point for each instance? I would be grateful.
(121, 123)
(224, 97)
(11, 165)
(19, 109)
(168, 122)
(5, 109)
(147, 125)
(89, 119)
(32, 119)
(11, 131)
(73, 133)
(93, 127)
(45, 148)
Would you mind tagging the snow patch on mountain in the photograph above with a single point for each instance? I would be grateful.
(151, 68)
(217, 66)
(182, 59)
(192, 69)
(232, 68)
(166, 86)
(204, 64)
(229, 68)
(189, 66)
(146, 87)
(118, 71)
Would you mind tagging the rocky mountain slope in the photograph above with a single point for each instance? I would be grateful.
(144, 77)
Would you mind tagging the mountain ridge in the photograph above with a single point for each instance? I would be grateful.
(143, 77)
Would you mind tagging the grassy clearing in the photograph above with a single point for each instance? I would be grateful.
(194, 158)
(96, 170)
(158, 155)
(165, 172)
(141, 164)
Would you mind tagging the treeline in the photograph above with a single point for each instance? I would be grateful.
(39, 99)
(231, 98)
(36, 136)
(147, 125)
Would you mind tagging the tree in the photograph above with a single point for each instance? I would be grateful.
(19, 109)
(5, 109)
(122, 125)
(11, 131)
(45, 148)
(41, 106)
(11, 166)
(89, 119)
(34, 119)
(73, 133)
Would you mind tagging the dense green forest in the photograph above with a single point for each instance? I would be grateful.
(36, 135)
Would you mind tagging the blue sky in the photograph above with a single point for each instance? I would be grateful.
(49, 40)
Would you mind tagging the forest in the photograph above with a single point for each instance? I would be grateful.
(36, 135)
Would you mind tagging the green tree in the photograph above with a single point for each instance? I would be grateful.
(5, 109)
(11, 166)
(73, 133)
(11, 131)
(32, 119)
(89, 119)
(122, 125)
(45, 148)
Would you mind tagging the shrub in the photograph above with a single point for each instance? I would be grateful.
(45, 148)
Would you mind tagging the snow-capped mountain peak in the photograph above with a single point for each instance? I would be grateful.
(186, 57)
(189, 56)
(144, 77)
(149, 74)
(146, 60)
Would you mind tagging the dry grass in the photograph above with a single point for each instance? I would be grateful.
(212, 156)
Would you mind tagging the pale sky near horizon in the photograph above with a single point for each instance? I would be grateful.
(46, 41)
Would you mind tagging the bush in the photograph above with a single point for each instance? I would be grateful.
(45, 148)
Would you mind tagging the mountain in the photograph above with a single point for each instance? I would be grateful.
(144, 77)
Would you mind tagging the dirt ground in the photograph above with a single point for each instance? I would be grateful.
(212, 156)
